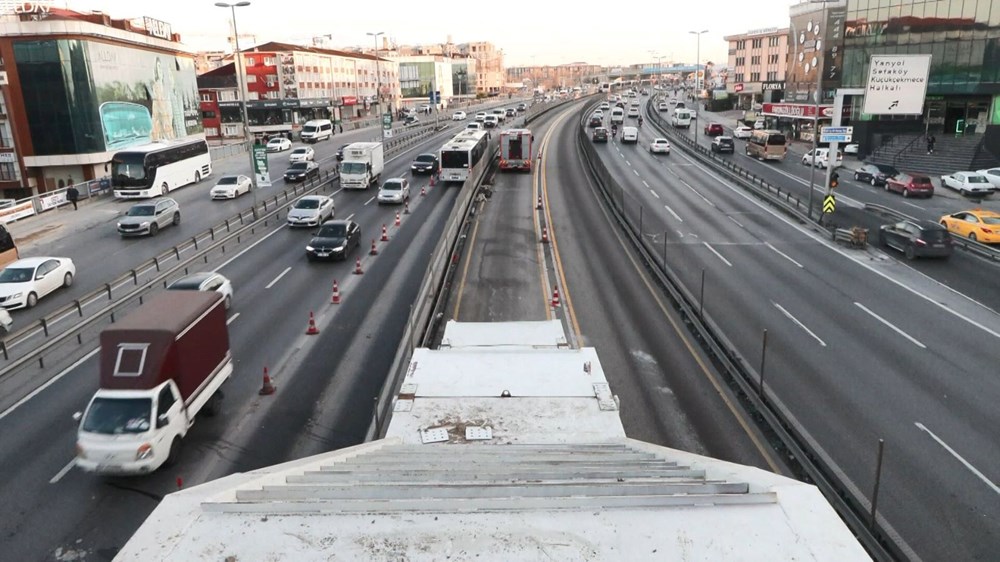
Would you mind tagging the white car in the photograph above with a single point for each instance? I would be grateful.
(659, 146)
(663, 106)
(759, 124)
(633, 112)
(25, 281)
(500, 114)
(992, 176)
(742, 132)
(205, 281)
(311, 210)
(822, 158)
(459, 116)
(278, 144)
(851, 149)
(231, 187)
(302, 154)
(630, 135)
(481, 116)
(394, 190)
(605, 106)
(968, 183)
(694, 114)
(599, 114)
(474, 126)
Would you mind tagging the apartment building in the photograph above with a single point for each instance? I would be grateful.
(757, 62)
(490, 76)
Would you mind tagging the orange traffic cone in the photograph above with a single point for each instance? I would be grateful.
(385, 234)
(267, 388)
(545, 235)
(336, 293)
(374, 250)
(539, 205)
(397, 218)
(312, 330)
(357, 267)
(423, 191)
(555, 297)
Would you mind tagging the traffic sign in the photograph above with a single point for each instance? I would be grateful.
(829, 204)
(387, 133)
(387, 120)
(834, 138)
(836, 130)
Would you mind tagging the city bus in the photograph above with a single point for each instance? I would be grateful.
(515, 149)
(151, 170)
(767, 144)
(459, 155)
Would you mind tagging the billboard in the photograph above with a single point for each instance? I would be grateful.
(897, 84)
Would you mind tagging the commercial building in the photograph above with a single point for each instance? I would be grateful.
(77, 87)
(490, 75)
(419, 75)
(757, 62)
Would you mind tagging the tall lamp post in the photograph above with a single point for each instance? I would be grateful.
(697, 77)
(378, 82)
(817, 63)
(240, 81)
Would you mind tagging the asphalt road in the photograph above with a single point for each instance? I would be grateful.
(860, 347)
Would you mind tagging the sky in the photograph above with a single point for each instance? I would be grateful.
(529, 33)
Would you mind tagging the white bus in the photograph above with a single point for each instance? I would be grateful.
(515, 149)
(154, 169)
(460, 154)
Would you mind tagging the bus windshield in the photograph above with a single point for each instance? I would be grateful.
(128, 169)
(454, 159)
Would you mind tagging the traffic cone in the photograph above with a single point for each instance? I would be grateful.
(539, 205)
(357, 267)
(385, 234)
(374, 250)
(433, 179)
(397, 218)
(555, 297)
(545, 235)
(406, 208)
(336, 293)
(423, 191)
(312, 330)
(267, 388)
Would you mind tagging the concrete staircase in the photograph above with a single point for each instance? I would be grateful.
(448, 478)
(951, 154)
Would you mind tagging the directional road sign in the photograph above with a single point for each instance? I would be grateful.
(836, 134)
(829, 204)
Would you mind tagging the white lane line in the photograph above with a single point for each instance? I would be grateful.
(782, 254)
(370, 200)
(724, 260)
(635, 171)
(912, 205)
(627, 162)
(738, 223)
(248, 248)
(797, 323)
(69, 466)
(350, 217)
(676, 216)
(887, 323)
(974, 470)
(278, 278)
(655, 194)
(644, 183)
(232, 318)
(51, 381)
(695, 191)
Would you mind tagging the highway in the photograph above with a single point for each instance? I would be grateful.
(860, 346)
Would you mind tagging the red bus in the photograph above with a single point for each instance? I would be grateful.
(515, 149)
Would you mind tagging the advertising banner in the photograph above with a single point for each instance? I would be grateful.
(260, 166)
(15, 212)
(47, 202)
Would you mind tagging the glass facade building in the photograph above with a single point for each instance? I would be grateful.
(963, 38)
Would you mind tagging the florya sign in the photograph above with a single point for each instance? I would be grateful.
(897, 84)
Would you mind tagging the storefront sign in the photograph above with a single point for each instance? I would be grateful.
(738, 88)
(349, 100)
(8, 157)
(157, 28)
(39, 7)
(796, 110)
(15, 212)
(767, 86)
(897, 84)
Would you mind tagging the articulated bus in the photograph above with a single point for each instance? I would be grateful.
(767, 144)
(154, 169)
(516, 149)
(460, 154)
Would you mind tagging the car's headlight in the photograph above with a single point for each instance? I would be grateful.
(15, 296)
(144, 224)
(341, 247)
(145, 451)
(310, 249)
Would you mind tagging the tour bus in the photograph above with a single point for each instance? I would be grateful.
(459, 155)
(515, 149)
(767, 144)
(154, 169)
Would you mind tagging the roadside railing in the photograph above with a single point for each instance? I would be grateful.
(971, 246)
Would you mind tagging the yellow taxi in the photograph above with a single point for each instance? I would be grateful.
(978, 224)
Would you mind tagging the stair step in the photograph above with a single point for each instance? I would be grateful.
(503, 473)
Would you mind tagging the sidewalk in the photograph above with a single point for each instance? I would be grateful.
(33, 234)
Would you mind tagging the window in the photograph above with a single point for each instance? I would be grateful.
(773, 59)
(270, 61)
(131, 359)
(9, 172)
(208, 115)
(206, 97)
(165, 401)
(211, 132)
(250, 61)
(739, 76)
(755, 77)
(227, 95)
(230, 130)
(772, 76)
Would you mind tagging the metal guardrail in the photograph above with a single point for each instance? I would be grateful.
(971, 246)
(798, 449)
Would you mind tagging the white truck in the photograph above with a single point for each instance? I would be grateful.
(362, 165)
(160, 366)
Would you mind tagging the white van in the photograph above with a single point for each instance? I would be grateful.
(681, 119)
(316, 130)
(617, 116)
(630, 135)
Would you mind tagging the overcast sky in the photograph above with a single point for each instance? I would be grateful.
(529, 32)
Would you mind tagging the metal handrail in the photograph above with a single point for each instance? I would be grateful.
(899, 153)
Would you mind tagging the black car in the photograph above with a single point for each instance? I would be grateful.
(334, 240)
(510, 112)
(917, 238)
(723, 144)
(424, 164)
(875, 174)
(600, 135)
(340, 152)
(301, 171)
(595, 121)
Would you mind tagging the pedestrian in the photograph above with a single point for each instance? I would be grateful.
(73, 195)
(341, 127)
(930, 144)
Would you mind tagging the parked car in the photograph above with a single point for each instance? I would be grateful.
(600, 134)
(723, 144)
(910, 184)
(459, 116)
(301, 171)
(425, 163)
(278, 144)
(231, 187)
(149, 217)
(334, 240)
(302, 154)
(714, 129)
(26, 280)
(742, 132)
(992, 176)
(851, 149)
(917, 238)
(311, 210)
(981, 225)
(822, 158)
(394, 190)
(875, 174)
(659, 146)
(205, 281)
(968, 183)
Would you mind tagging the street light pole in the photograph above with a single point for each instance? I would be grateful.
(378, 86)
(241, 81)
(697, 78)
(817, 97)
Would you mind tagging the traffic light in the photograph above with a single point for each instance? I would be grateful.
(834, 180)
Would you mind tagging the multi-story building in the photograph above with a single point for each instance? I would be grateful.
(490, 75)
(463, 77)
(757, 62)
(287, 85)
(77, 87)
(419, 75)
(552, 77)
(206, 61)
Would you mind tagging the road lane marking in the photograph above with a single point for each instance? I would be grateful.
(69, 466)
(724, 260)
(370, 200)
(248, 248)
(799, 324)
(232, 318)
(890, 325)
(655, 194)
(912, 205)
(972, 469)
(738, 223)
(676, 216)
(50, 382)
(784, 255)
(278, 278)
(635, 171)
(695, 191)
(627, 162)
(644, 183)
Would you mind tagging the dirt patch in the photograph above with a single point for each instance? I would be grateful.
(35, 235)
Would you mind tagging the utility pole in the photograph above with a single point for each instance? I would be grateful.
(697, 76)
(378, 86)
